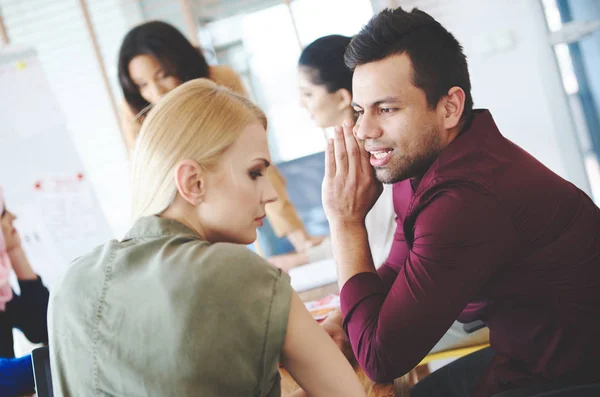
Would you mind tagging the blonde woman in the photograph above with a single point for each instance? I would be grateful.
(154, 59)
(180, 307)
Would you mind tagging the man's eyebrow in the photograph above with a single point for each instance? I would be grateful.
(388, 99)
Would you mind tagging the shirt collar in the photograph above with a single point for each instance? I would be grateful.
(155, 226)
(480, 122)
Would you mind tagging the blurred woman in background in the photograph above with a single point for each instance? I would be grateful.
(26, 312)
(325, 85)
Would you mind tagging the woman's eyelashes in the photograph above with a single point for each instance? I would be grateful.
(254, 174)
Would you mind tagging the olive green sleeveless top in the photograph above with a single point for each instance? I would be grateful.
(163, 313)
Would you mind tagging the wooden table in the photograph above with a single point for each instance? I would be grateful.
(319, 292)
(288, 385)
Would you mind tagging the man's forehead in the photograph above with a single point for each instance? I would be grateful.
(386, 78)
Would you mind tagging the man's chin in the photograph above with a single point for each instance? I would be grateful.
(384, 175)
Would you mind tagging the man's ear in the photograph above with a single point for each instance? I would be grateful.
(345, 98)
(454, 105)
(189, 178)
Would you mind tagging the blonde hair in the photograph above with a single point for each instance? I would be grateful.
(197, 120)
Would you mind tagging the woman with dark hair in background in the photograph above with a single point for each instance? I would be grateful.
(325, 82)
(325, 85)
(154, 59)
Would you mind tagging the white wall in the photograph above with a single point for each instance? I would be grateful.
(57, 31)
(514, 74)
(272, 47)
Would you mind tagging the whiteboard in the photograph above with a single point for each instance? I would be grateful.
(45, 185)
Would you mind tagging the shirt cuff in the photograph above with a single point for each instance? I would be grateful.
(30, 284)
(358, 288)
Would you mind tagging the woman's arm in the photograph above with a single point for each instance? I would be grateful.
(313, 360)
(21, 265)
(29, 309)
(321, 250)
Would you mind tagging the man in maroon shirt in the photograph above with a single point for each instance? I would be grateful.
(484, 230)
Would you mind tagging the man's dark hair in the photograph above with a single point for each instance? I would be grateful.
(438, 61)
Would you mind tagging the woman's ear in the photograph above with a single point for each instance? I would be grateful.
(345, 98)
(189, 178)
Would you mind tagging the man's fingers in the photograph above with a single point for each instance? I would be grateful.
(329, 160)
(353, 150)
(341, 156)
(365, 157)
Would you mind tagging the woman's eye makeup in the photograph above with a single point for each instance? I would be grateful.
(254, 174)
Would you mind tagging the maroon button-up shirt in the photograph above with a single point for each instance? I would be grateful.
(488, 233)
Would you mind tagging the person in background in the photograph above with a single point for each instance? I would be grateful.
(485, 231)
(180, 307)
(325, 85)
(154, 59)
(26, 312)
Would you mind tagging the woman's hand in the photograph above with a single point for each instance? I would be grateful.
(286, 262)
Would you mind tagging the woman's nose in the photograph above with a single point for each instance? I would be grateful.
(155, 93)
(270, 194)
(302, 102)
